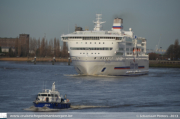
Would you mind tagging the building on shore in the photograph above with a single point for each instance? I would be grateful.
(19, 45)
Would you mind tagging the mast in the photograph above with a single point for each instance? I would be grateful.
(53, 87)
(98, 22)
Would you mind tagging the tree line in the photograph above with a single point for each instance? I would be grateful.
(45, 48)
(39, 48)
(173, 52)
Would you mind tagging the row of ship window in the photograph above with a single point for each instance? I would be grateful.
(87, 53)
(48, 95)
(100, 48)
(91, 48)
(92, 38)
(129, 44)
(92, 43)
(117, 53)
(121, 53)
(129, 49)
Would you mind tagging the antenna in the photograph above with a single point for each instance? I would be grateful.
(45, 85)
(68, 27)
(157, 46)
(98, 22)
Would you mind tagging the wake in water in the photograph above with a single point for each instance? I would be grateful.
(40, 109)
(73, 107)
(73, 75)
(79, 75)
(85, 106)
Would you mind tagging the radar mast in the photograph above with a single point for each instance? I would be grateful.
(98, 22)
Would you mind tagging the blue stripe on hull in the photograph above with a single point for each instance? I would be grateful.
(133, 74)
(53, 105)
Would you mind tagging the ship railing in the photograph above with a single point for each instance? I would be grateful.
(137, 71)
(46, 90)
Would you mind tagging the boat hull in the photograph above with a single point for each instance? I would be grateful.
(115, 67)
(52, 105)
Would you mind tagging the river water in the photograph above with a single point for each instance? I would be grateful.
(159, 91)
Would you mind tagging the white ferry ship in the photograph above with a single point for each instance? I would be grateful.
(116, 52)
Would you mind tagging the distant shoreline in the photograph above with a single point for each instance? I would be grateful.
(164, 63)
(30, 59)
(152, 63)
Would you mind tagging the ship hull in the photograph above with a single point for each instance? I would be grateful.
(123, 66)
(52, 105)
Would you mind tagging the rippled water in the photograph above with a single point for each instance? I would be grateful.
(159, 91)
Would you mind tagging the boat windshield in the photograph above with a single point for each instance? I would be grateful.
(54, 95)
(44, 94)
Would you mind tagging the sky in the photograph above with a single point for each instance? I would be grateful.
(155, 20)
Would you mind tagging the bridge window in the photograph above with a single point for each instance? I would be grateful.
(119, 53)
(121, 49)
(43, 94)
(118, 38)
(128, 43)
(91, 48)
(90, 38)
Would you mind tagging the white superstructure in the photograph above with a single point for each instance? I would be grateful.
(115, 52)
(50, 96)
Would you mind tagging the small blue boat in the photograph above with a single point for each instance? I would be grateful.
(51, 99)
